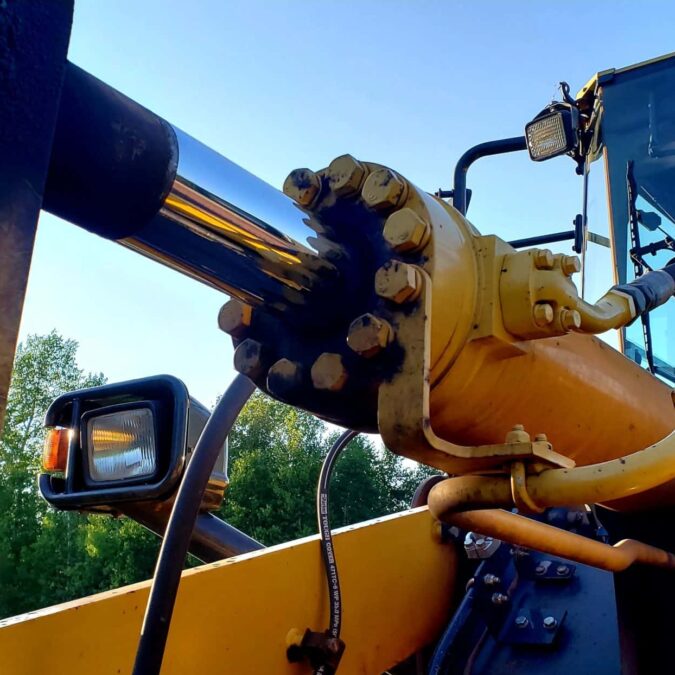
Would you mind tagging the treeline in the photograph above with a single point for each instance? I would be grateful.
(48, 556)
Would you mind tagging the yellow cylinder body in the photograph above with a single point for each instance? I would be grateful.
(593, 403)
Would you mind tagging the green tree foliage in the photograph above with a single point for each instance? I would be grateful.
(47, 556)
(275, 459)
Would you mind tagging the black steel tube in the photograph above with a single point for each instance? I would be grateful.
(181, 523)
(212, 538)
(471, 155)
(543, 239)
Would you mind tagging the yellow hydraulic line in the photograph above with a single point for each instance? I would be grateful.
(532, 534)
(593, 484)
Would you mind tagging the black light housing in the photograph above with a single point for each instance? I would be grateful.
(553, 132)
(128, 442)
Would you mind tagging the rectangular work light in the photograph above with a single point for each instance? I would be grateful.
(553, 132)
(123, 443)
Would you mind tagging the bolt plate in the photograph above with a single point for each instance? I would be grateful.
(534, 633)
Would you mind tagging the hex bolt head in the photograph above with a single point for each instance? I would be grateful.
(562, 570)
(499, 599)
(345, 175)
(517, 435)
(368, 335)
(405, 231)
(383, 190)
(541, 437)
(541, 568)
(302, 186)
(398, 282)
(248, 359)
(542, 313)
(570, 264)
(235, 317)
(284, 377)
(329, 373)
(543, 259)
(522, 621)
(550, 622)
(570, 319)
(491, 580)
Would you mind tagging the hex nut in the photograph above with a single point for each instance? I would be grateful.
(517, 435)
(329, 373)
(368, 335)
(550, 622)
(570, 264)
(543, 259)
(398, 282)
(248, 359)
(383, 190)
(235, 317)
(542, 313)
(302, 186)
(284, 377)
(522, 621)
(345, 175)
(406, 231)
(570, 319)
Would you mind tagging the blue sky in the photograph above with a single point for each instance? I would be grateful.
(277, 85)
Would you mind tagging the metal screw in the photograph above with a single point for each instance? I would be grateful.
(480, 541)
(562, 570)
(398, 282)
(368, 335)
(235, 317)
(540, 569)
(570, 319)
(383, 190)
(345, 175)
(249, 358)
(329, 373)
(302, 186)
(405, 231)
(541, 437)
(522, 621)
(543, 259)
(491, 580)
(550, 622)
(499, 599)
(542, 314)
(570, 264)
(284, 377)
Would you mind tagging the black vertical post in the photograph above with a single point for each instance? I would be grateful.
(34, 36)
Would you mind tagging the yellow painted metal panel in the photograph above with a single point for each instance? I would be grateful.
(233, 616)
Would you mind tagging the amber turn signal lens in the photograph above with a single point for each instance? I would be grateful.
(55, 452)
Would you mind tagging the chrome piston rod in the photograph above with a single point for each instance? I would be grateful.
(126, 174)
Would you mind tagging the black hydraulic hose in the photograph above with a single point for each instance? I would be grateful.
(179, 529)
(326, 538)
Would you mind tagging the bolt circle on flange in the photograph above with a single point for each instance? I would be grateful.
(284, 377)
(570, 264)
(369, 335)
(543, 259)
(235, 317)
(329, 373)
(345, 175)
(302, 186)
(406, 231)
(248, 358)
(383, 190)
(398, 282)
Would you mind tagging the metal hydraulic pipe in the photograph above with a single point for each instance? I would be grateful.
(122, 172)
(597, 483)
(529, 533)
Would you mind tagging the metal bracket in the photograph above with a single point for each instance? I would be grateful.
(404, 405)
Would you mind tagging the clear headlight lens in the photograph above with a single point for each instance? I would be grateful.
(547, 137)
(121, 445)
